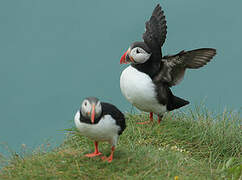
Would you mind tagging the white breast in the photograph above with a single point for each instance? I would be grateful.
(105, 130)
(138, 88)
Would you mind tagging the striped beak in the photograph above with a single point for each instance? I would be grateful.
(126, 58)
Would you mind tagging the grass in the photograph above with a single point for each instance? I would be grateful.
(191, 145)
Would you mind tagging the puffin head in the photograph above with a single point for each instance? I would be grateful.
(91, 108)
(138, 53)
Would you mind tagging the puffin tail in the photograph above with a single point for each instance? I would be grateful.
(176, 102)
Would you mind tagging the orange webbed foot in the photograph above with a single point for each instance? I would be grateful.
(108, 159)
(93, 154)
(147, 122)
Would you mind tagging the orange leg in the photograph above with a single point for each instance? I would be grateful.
(147, 122)
(110, 158)
(159, 119)
(151, 116)
(96, 152)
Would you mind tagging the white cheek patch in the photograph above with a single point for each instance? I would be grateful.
(98, 109)
(141, 57)
(86, 107)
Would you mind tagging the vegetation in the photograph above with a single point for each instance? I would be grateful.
(192, 145)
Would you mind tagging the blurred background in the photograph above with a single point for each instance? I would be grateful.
(55, 53)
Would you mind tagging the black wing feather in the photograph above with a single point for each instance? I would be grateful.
(174, 67)
(156, 30)
(161, 32)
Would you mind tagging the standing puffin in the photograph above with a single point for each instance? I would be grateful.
(100, 122)
(146, 82)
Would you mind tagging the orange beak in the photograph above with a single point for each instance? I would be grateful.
(93, 114)
(126, 57)
(123, 58)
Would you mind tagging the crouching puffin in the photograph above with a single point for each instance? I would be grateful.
(100, 121)
(146, 82)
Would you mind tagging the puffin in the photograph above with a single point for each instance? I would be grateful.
(100, 121)
(146, 83)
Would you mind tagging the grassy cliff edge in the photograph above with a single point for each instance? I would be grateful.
(191, 145)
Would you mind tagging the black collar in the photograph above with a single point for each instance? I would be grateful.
(150, 67)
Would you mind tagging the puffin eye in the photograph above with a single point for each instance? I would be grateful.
(85, 103)
(137, 51)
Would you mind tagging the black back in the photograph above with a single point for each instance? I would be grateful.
(117, 115)
(108, 109)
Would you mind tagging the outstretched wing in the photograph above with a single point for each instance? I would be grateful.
(174, 67)
(155, 34)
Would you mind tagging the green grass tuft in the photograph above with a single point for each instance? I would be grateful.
(192, 145)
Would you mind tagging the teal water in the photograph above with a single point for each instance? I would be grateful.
(54, 53)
